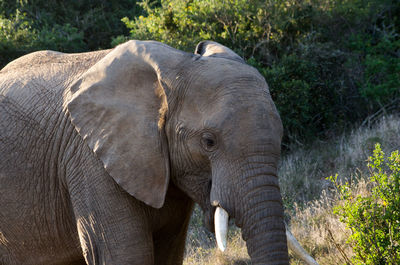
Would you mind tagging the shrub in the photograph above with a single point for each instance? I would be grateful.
(374, 218)
(381, 81)
(66, 26)
(306, 91)
(18, 37)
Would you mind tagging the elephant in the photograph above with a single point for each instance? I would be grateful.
(105, 153)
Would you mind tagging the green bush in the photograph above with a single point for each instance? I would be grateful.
(381, 81)
(374, 218)
(370, 33)
(66, 26)
(18, 37)
(15, 37)
(305, 90)
(251, 28)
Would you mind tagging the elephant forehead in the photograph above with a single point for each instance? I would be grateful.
(228, 94)
(246, 118)
(243, 93)
(219, 72)
(224, 90)
(234, 112)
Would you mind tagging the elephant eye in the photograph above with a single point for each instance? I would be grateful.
(208, 141)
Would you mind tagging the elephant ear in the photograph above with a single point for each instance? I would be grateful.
(214, 49)
(118, 107)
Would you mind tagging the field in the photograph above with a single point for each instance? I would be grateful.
(309, 197)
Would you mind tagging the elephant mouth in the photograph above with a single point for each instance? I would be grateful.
(217, 214)
(209, 218)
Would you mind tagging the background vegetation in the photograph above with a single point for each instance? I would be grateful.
(332, 66)
(66, 26)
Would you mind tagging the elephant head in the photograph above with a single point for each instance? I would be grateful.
(204, 121)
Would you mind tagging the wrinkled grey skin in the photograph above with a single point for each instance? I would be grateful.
(103, 154)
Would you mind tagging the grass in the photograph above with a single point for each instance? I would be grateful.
(303, 172)
(308, 197)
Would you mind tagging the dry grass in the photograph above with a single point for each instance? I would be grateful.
(303, 172)
(308, 197)
(236, 253)
(320, 232)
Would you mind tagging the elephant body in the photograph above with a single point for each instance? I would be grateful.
(44, 213)
(81, 183)
(37, 214)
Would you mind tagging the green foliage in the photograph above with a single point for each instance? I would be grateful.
(246, 26)
(305, 91)
(381, 80)
(374, 218)
(18, 37)
(328, 63)
(370, 31)
(67, 26)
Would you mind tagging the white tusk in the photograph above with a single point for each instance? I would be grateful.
(221, 227)
(295, 246)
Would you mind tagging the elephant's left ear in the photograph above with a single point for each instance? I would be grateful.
(214, 49)
(118, 107)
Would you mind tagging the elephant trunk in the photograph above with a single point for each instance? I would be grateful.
(263, 226)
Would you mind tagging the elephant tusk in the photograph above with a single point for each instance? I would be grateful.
(295, 246)
(221, 227)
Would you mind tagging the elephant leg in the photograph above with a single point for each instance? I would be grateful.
(113, 227)
(169, 249)
(169, 239)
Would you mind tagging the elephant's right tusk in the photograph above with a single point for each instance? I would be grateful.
(221, 227)
(295, 246)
